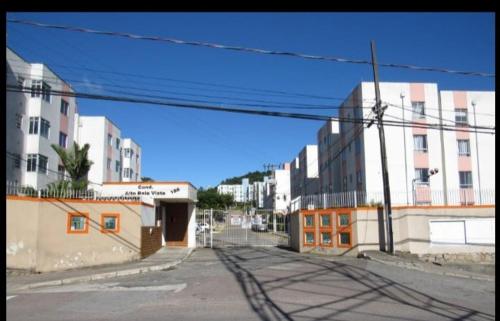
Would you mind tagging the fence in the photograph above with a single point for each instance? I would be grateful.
(421, 196)
(13, 188)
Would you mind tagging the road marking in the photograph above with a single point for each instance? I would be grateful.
(10, 297)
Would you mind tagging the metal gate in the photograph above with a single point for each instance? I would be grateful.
(219, 228)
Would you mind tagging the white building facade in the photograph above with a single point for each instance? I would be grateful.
(413, 151)
(277, 195)
(131, 159)
(35, 119)
(304, 179)
(328, 139)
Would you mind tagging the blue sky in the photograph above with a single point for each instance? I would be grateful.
(205, 147)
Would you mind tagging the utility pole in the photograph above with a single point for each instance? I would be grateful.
(385, 175)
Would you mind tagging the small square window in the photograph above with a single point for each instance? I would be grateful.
(78, 223)
(325, 220)
(110, 223)
(309, 238)
(343, 219)
(309, 220)
(345, 238)
(326, 238)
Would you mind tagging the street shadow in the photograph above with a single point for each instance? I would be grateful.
(283, 285)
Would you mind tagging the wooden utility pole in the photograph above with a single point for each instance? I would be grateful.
(385, 174)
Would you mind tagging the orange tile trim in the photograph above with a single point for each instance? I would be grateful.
(68, 224)
(149, 183)
(71, 200)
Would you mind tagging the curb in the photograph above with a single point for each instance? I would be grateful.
(106, 275)
(415, 267)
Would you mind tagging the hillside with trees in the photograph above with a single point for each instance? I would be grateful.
(256, 176)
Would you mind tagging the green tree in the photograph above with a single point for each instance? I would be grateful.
(147, 179)
(209, 198)
(76, 162)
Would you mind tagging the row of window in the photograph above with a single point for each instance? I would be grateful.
(325, 220)
(39, 125)
(465, 177)
(78, 223)
(326, 238)
(420, 144)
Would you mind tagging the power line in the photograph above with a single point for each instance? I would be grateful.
(244, 49)
(246, 111)
(280, 104)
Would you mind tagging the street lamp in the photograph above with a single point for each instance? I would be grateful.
(431, 172)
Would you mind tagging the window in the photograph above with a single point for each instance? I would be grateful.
(31, 162)
(463, 147)
(117, 143)
(36, 88)
(20, 82)
(309, 220)
(422, 175)
(46, 92)
(136, 177)
(110, 223)
(110, 140)
(109, 163)
(117, 166)
(60, 172)
(44, 128)
(309, 238)
(345, 238)
(34, 125)
(418, 109)
(461, 117)
(126, 152)
(326, 238)
(63, 139)
(64, 107)
(343, 219)
(78, 223)
(420, 143)
(465, 179)
(43, 162)
(126, 172)
(19, 120)
(17, 161)
(325, 220)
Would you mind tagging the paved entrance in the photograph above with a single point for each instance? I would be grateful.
(218, 228)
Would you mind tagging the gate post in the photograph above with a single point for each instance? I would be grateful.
(211, 227)
(204, 230)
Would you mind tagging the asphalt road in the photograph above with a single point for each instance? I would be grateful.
(263, 284)
(237, 236)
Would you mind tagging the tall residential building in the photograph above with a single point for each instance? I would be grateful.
(105, 148)
(258, 194)
(412, 151)
(304, 179)
(277, 190)
(35, 120)
(328, 139)
(131, 161)
(235, 190)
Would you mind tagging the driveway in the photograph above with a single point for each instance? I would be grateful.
(264, 284)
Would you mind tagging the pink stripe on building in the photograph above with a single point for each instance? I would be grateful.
(421, 159)
(417, 92)
(460, 99)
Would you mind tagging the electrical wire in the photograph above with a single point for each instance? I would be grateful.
(244, 49)
(247, 111)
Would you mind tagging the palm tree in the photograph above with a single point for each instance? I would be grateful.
(76, 162)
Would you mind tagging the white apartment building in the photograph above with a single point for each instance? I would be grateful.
(105, 148)
(35, 120)
(469, 157)
(328, 139)
(236, 190)
(304, 179)
(131, 161)
(258, 194)
(277, 194)
(412, 151)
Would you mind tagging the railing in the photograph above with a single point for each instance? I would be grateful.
(421, 196)
(28, 191)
